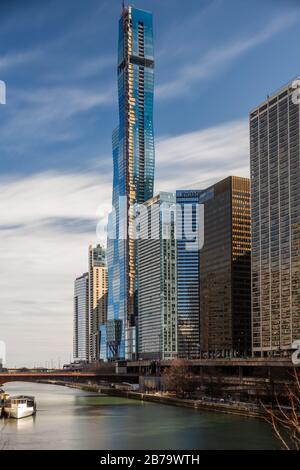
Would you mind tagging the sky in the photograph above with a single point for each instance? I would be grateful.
(215, 60)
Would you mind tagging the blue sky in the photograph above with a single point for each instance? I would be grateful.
(215, 60)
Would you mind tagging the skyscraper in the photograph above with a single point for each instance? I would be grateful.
(275, 190)
(157, 317)
(97, 298)
(81, 318)
(225, 270)
(188, 270)
(133, 175)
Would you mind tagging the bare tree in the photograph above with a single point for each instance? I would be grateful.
(179, 378)
(285, 415)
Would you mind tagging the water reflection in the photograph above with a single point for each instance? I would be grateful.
(73, 419)
(22, 425)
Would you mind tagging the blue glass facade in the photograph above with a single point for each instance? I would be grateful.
(133, 169)
(188, 271)
(102, 343)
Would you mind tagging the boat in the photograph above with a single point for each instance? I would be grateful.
(20, 407)
(3, 396)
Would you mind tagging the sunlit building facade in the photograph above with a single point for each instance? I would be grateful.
(275, 189)
(133, 175)
(225, 270)
(97, 299)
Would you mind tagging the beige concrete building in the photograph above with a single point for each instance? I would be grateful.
(97, 298)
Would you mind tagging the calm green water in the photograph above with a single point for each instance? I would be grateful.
(71, 419)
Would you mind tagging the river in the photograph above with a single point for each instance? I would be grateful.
(72, 419)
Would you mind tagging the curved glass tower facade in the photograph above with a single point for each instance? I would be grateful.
(133, 168)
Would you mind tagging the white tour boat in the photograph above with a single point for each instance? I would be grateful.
(3, 396)
(20, 407)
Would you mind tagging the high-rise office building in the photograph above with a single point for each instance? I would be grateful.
(225, 270)
(157, 312)
(275, 190)
(133, 165)
(81, 318)
(188, 270)
(97, 299)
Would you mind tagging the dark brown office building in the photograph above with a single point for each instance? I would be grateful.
(225, 270)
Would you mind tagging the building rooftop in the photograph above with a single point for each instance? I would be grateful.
(274, 94)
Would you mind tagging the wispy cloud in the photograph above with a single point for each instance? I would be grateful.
(19, 58)
(89, 68)
(51, 84)
(63, 101)
(200, 158)
(212, 63)
(38, 197)
(48, 114)
(47, 222)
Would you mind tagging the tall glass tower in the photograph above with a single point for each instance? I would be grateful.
(188, 271)
(275, 221)
(133, 168)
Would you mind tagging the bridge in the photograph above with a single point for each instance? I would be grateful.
(94, 376)
(249, 374)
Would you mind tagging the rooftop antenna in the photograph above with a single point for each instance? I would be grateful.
(123, 4)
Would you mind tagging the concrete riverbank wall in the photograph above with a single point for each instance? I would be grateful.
(241, 409)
